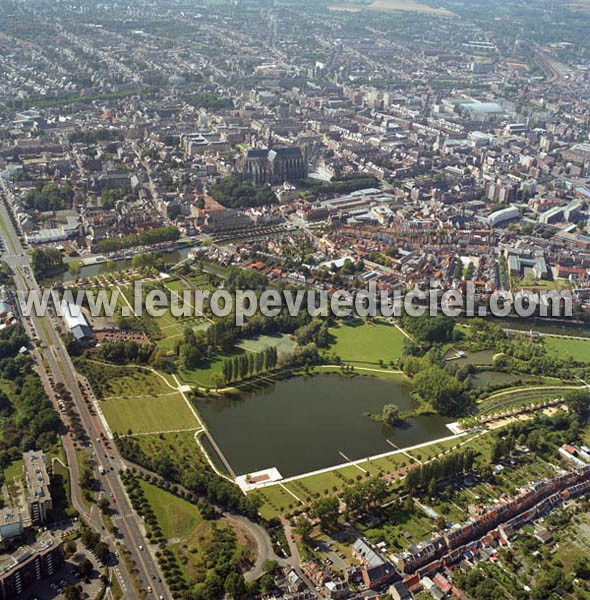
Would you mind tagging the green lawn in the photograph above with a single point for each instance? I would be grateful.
(188, 534)
(530, 282)
(177, 517)
(175, 285)
(133, 382)
(211, 368)
(179, 446)
(276, 499)
(366, 342)
(14, 469)
(145, 414)
(563, 348)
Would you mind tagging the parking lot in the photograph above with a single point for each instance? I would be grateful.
(68, 575)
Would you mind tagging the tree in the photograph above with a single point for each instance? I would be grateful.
(145, 238)
(391, 414)
(303, 527)
(578, 401)
(102, 551)
(46, 261)
(50, 196)
(581, 567)
(233, 193)
(75, 268)
(429, 329)
(87, 480)
(85, 568)
(443, 391)
(270, 566)
(72, 593)
(327, 511)
(104, 505)
(235, 585)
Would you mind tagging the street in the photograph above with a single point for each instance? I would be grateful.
(52, 352)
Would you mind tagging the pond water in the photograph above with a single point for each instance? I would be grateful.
(303, 424)
(481, 357)
(484, 378)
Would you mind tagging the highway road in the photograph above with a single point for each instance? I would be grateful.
(53, 353)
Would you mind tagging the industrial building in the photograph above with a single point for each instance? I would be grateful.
(76, 323)
(503, 215)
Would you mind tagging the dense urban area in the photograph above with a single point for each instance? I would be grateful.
(332, 146)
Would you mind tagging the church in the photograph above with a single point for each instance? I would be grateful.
(274, 166)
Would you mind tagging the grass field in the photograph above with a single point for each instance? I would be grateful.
(177, 517)
(283, 498)
(14, 469)
(189, 535)
(131, 382)
(182, 524)
(409, 5)
(207, 374)
(145, 414)
(180, 446)
(564, 348)
(366, 343)
(530, 282)
(391, 5)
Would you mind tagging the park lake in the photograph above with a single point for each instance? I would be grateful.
(304, 424)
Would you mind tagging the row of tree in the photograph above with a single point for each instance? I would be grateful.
(426, 476)
(193, 475)
(243, 366)
(150, 237)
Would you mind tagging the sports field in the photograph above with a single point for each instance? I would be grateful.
(366, 342)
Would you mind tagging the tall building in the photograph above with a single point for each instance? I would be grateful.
(274, 166)
(37, 480)
(30, 564)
